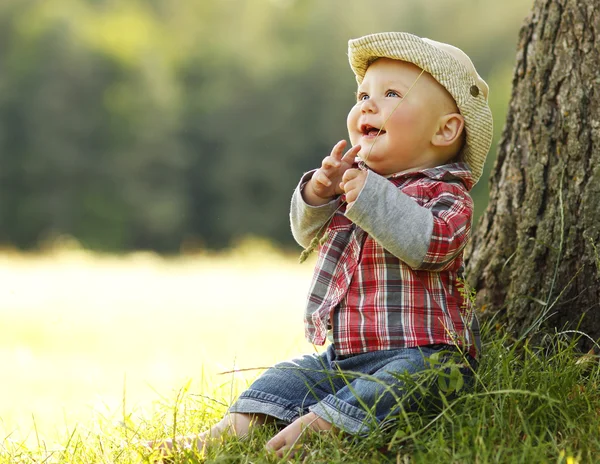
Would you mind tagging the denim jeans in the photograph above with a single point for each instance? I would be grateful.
(354, 393)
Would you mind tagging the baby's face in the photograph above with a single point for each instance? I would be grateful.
(407, 124)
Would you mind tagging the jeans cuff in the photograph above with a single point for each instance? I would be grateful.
(257, 402)
(342, 415)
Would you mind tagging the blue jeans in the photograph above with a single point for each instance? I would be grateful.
(354, 393)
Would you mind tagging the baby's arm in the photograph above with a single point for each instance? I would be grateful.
(424, 237)
(317, 196)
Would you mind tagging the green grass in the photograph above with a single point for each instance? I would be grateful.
(529, 404)
(85, 370)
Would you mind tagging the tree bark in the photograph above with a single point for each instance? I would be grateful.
(535, 254)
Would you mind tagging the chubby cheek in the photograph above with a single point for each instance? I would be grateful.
(403, 119)
(412, 122)
(352, 124)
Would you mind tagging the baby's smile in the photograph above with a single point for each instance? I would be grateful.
(370, 131)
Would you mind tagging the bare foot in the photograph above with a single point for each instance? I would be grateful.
(285, 443)
(235, 424)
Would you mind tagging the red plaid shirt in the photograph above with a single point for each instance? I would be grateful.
(369, 299)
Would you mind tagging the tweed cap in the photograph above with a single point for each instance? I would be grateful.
(451, 67)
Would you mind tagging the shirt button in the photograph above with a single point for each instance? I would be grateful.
(474, 90)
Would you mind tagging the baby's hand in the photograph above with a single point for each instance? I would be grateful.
(352, 183)
(325, 182)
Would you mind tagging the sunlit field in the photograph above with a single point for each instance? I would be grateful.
(101, 353)
(83, 335)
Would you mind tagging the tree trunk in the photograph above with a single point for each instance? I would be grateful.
(535, 254)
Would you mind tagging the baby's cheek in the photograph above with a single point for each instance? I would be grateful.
(352, 124)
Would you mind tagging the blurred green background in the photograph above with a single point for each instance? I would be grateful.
(177, 125)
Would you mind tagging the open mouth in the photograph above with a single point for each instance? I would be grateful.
(371, 131)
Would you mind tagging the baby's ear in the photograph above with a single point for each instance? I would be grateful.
(450, 128)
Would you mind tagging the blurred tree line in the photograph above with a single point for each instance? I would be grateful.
(169, 125)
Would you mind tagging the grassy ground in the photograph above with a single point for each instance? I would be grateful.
(100, 353)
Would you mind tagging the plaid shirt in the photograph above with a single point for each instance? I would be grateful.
(368, 298)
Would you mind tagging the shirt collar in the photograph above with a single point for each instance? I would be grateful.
(458, 171)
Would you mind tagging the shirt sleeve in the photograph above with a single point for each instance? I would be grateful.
(306, 220)
(426, 236)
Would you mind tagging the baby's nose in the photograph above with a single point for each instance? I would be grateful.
(369, 106)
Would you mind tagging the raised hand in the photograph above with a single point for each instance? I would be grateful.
(325, 182)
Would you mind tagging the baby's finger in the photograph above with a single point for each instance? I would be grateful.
(350, 174)
(351, 194)
(321, 178)
(329, 162)
(338, 150)
(350, 155)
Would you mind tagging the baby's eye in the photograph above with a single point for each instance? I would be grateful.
(392, 93)
(361, 96)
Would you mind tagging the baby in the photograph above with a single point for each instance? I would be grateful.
(392, 215)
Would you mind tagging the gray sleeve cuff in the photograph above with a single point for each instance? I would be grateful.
(396, 221)
(307, 220)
